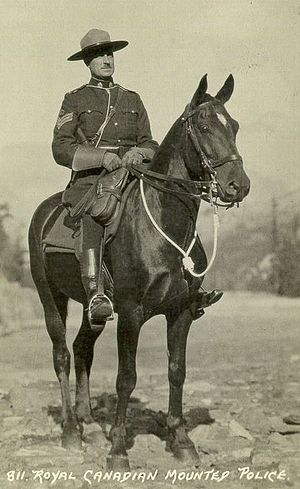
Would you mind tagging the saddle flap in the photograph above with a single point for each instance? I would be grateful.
(56, 234)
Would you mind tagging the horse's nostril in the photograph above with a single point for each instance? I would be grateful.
(232, 188)
(234, 185)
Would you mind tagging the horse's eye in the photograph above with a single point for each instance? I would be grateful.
(204, 128)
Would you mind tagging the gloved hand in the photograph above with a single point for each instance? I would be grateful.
(132, 157)
(111, 162)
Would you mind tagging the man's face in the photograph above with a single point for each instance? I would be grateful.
(103, 66)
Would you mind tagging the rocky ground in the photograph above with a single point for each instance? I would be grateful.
(241, 403)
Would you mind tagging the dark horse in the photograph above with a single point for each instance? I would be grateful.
(149, 277)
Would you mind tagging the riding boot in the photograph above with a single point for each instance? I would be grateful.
(210, 298)
(205, 299)
(100, 307)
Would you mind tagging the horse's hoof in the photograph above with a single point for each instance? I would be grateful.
(188, 455)
(71, 441)
(118, 463)
(84, 418)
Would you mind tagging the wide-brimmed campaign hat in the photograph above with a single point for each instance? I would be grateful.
(96, 41)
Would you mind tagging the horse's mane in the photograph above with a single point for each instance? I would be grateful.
(174, 135)
(167, 145)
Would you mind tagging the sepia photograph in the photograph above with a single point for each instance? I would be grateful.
(150, 244)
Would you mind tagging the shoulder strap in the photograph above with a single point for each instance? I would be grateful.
(126, 89)
(108, 118)
(77, 89)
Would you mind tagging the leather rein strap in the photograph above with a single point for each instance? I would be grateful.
(142, 172)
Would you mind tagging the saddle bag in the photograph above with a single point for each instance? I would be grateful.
(102, 200)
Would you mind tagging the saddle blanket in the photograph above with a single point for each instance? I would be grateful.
(58, 237)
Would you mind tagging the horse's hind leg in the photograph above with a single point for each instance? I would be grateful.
(55, 307)
(179, 442)
(83, 348)
(128, 335)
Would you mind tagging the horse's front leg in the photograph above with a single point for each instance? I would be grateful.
(179, 442)
(128, 334)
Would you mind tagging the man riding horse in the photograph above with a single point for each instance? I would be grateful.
(101, 125)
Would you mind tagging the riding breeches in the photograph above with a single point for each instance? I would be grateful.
(91, 231)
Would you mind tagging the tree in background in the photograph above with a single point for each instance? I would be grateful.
(11, 254)
(18, 303)
(289, 259)
(261, 254)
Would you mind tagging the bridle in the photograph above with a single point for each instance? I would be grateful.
(208, 191)
(204, 189)
(206, 162)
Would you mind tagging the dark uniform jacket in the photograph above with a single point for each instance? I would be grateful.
(94, 120)
(119, 111)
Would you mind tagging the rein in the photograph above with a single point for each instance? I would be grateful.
(209, 189)
(142, 172)
(187, 261)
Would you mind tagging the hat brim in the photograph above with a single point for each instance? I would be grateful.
(98, 47)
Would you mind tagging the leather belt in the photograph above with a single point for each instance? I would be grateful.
(112, 149)
(119, 150)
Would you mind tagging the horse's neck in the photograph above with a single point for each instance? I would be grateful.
(176, 212)
(169, 158)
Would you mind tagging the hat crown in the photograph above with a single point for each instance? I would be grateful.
(97, 40)
(94, 36)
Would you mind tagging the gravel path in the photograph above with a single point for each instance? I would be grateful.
(243, 372)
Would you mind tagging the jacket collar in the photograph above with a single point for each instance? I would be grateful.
(97, 82)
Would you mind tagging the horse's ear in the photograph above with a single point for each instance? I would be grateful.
(200, 92)
(225, 93)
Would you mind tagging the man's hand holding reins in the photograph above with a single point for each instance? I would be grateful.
(111, 162)
(132, 157)
(136, 156)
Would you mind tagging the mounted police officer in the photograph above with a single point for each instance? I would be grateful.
(100, 125)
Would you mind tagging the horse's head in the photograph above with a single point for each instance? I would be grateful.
(211, 138)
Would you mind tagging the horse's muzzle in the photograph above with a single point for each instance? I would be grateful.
(235, 186)
(235, 193)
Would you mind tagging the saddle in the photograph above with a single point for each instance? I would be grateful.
(104, 201)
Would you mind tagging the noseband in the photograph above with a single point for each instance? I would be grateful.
(206, 162)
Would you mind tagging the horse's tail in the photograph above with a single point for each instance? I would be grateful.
(36, 252)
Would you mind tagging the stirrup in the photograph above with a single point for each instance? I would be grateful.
(101, 312)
